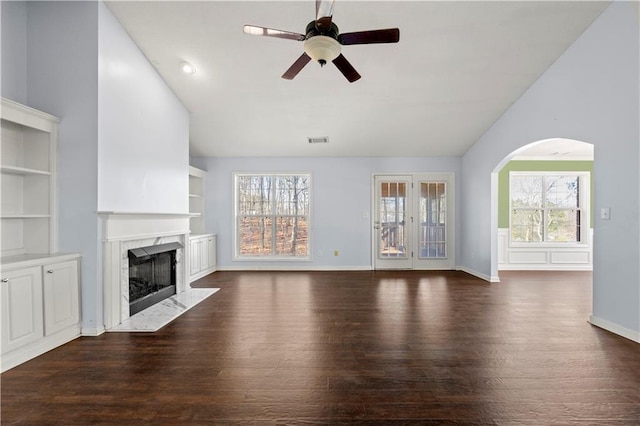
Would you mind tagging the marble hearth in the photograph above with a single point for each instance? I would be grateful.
(125, 231)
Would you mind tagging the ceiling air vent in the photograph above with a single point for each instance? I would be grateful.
(321, 139)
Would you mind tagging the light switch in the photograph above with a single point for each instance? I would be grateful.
(605, 213)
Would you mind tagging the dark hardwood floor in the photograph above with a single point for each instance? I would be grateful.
(347, 347)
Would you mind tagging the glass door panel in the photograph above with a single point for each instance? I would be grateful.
(433, 220)
(414, 221)
(391, 227)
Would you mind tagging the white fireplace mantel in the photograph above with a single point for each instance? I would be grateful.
(129, 225)
(122, 231)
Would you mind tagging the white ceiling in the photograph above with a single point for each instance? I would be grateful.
(458, 66)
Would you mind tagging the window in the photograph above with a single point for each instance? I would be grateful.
(548, 208)
(272, 216)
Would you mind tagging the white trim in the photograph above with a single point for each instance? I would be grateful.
(10, 263)
(27, 116)
(295, 268)
(137, 226)
(45, 344)
(92, 331)
(480, 275)
(273, 259)
(540, 257)
(615, 328)
(552, 158)
(545, 267)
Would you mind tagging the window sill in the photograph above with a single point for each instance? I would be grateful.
(548, 245)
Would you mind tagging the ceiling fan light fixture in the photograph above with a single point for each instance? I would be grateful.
(322, 49)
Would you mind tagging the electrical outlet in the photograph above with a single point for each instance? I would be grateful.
(335, 252)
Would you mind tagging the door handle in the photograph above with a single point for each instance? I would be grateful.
(5, 280)
(49, 271)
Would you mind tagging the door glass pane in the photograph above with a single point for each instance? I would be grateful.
(393, 200)
(433, 226)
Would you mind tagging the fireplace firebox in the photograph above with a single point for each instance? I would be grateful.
(152, 275)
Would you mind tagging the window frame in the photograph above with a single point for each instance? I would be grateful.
(236, 218)
(584, 206)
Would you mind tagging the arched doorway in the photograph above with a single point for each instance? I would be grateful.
(542, 207)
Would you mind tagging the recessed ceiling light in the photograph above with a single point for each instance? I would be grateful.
(187, 67)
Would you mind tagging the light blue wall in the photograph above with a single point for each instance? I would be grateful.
(591, 94)
(13, 64)
(341, 196)
(62, 79)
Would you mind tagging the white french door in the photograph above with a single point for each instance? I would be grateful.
(414, 221)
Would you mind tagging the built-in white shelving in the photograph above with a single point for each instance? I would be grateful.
(39, 288)
(202, 246)
(28, 180)
(196, 200)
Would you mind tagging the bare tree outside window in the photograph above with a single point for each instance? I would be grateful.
(545, 208)
(272, 215)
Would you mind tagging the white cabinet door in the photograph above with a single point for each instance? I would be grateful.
(204, 254)
(211, 242)
(21, 307)
(194, 255)
(61, 296)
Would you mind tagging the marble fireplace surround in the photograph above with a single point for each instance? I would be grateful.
(124, 231)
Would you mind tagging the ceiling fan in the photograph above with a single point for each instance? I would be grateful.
(323, 41)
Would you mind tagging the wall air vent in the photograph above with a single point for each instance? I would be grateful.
(320, 139)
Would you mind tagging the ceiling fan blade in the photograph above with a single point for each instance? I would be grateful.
(324, 14)
(390, 35)
(346, 68)
(269, 32)
(296, 67)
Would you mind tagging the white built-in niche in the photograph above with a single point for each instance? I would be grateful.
(27, 158)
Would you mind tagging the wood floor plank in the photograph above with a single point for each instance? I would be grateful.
(347, 347)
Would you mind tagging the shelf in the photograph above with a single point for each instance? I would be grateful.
(23, 171)
(24, 216)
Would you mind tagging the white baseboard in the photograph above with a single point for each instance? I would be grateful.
(92, 331)
(34, 349)
(544, 267)
(491, 279)
(294, 268)
(615, 328)
(201, 274)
